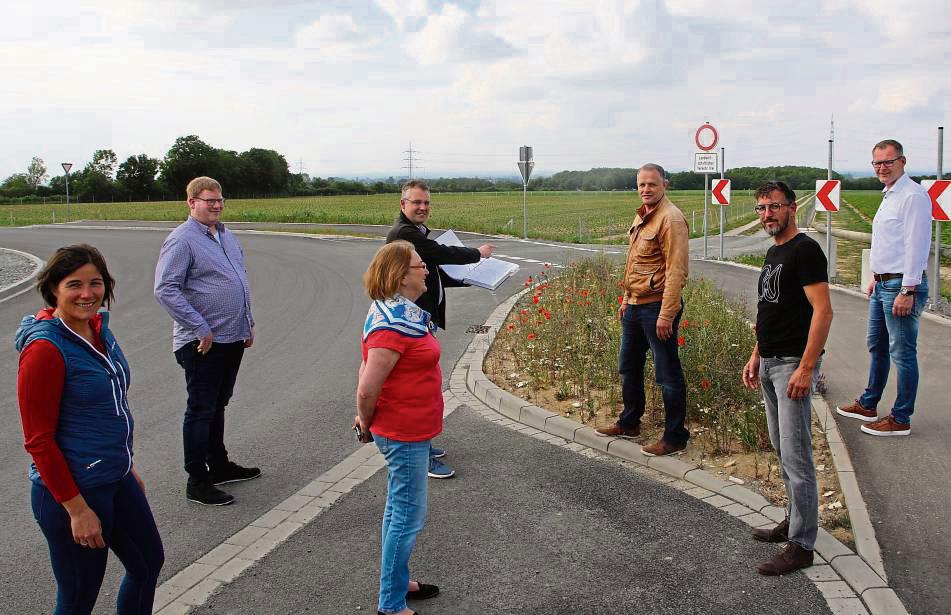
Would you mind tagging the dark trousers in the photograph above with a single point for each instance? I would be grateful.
(209, 381)
(129, 531)
(638, 335)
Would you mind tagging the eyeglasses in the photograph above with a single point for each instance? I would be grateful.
(420, 266)
(210, 201)
(885, 163)
(772, 207)
(416, 202)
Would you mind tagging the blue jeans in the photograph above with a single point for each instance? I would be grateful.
(128, 529)
(407, 464)
(790, 432)
(893, 338)
(209, 381)
(638, 334)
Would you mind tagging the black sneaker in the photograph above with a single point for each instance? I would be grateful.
(203, 492)
(232, 473)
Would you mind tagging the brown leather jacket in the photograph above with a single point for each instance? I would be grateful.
(657, 258)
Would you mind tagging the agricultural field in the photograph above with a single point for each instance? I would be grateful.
(585, 217)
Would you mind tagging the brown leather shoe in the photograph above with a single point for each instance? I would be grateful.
(617, 431)
(856, 411)
(780, 533)
(662, 449)
(887, 426)
(791, 558)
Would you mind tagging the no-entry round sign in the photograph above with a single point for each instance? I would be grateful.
(706, 137)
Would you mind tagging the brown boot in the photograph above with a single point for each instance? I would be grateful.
(662, 449)
(618, 431)
(791, 558)
(780, 533)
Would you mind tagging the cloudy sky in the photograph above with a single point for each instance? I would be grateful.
(342, 88)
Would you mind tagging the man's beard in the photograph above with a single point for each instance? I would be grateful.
(776, 230)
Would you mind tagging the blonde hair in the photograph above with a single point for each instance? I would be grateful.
(386, 271)
(195, 186)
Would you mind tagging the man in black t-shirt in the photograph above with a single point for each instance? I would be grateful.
(793, 317)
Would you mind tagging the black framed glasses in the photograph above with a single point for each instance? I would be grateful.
(772, 207)
(885, 163)
(220, 201)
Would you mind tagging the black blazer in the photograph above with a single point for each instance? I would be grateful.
(433, 254)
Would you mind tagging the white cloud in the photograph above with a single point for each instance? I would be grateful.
(607, 82)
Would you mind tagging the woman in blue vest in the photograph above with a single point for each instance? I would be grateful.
(72, 387)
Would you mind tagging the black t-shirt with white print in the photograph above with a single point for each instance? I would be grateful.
(783, 313)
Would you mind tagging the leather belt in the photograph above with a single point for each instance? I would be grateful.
(881, 277)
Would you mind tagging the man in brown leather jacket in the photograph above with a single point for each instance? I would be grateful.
(650, 311)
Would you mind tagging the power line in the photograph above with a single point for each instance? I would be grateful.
(411, 160)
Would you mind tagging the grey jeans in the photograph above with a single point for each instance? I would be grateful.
(790, 432)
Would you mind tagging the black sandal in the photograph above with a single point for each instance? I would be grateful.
(423, 593)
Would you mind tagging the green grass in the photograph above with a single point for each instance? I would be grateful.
(565, 336)
(604, 216)
(755, 260)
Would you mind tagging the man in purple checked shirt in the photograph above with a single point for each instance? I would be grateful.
(202, 283)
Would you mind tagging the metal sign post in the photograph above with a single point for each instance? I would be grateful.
(830, 264)
(66, 167)
(722, 165)
(936, 273)
(706, 139)
(525, 166)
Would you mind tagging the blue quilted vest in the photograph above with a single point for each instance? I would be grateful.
(95, 424)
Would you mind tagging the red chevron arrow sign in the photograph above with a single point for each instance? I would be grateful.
(940, 198)
(827, 194)
(721, 192)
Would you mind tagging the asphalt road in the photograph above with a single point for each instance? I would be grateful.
(529, 528)
(905, 481)
(292, 406)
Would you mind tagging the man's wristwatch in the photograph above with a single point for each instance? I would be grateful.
(907, 290)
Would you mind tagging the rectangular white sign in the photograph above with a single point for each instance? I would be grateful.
(706, 162)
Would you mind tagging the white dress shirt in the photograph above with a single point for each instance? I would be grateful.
(901, 231)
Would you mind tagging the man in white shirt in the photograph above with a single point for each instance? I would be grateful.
(901, 242)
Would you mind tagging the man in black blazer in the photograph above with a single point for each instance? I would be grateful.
(414, 211)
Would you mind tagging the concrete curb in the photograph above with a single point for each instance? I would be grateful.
(848, 581)
(37, 264)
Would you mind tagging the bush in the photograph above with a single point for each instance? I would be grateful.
(564, 335)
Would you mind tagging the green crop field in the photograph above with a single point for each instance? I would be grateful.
(560, 216)
(864, 205)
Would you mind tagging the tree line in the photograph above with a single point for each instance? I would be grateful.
(260, 172)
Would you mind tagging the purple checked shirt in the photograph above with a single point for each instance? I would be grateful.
(203, 285)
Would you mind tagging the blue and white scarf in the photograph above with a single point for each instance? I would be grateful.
(398, 314)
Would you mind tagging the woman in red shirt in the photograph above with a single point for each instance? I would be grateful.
(72, 387)
(400, 407)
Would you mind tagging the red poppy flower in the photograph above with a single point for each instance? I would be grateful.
(531, 336)
(620, 299)
(535, 299)
(681, 340)
(584, 293)
(511, 327)
(704, 384)
(685, 324)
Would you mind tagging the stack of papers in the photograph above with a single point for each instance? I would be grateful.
(487, 273)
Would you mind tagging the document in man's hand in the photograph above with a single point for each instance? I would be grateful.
(487, 273)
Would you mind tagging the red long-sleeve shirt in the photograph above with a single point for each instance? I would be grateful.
(40, 379)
